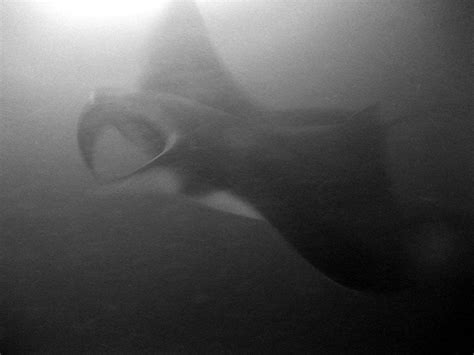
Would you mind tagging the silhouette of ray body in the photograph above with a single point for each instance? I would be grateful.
(318, 176)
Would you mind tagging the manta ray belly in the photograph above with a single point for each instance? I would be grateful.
(228, 202)
(168, 182)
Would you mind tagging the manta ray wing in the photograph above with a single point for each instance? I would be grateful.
(183, 61)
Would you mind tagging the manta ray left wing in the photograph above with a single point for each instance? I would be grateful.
(183, 61)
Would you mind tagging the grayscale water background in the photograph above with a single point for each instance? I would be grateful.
(133, 273)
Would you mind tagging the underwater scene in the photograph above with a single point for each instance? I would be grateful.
(236, 177)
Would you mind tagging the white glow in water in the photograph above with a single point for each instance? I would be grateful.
(100, 9)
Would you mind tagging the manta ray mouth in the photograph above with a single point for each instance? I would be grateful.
(133, 126)
(154, 123)
(150, 164)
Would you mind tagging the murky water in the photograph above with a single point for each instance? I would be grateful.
(137, 271)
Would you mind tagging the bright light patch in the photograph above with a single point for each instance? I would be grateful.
(101, 9)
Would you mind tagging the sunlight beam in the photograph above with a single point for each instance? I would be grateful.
(80, 10)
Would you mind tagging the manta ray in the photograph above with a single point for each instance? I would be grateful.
(316, 175)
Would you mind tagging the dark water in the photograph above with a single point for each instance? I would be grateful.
(143, 273)
(170, 277)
